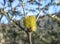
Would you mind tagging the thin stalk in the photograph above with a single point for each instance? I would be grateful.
(29, 37)
(23, 8)
(39, 12)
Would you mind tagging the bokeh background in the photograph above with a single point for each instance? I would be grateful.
(12, 27)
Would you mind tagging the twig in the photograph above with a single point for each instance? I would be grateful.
(37, 17)
(23, 8)
(38, 13)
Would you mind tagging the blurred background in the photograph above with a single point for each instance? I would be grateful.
(47, 13)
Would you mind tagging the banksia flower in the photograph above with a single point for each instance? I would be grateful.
(30, 22)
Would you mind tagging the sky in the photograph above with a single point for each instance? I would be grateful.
(51, 9)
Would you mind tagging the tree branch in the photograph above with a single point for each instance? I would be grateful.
(23, 8)
(39, 12)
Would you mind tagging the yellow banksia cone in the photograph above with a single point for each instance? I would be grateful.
(30, 22)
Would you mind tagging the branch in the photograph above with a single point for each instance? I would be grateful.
(55, 17)
(38, 13)
(4, 4)
(19, 27)
(1, 18)
(23, 8)
(29, 37)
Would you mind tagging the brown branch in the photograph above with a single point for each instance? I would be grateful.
(19, 27)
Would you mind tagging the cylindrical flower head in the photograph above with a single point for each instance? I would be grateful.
(30, 22)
